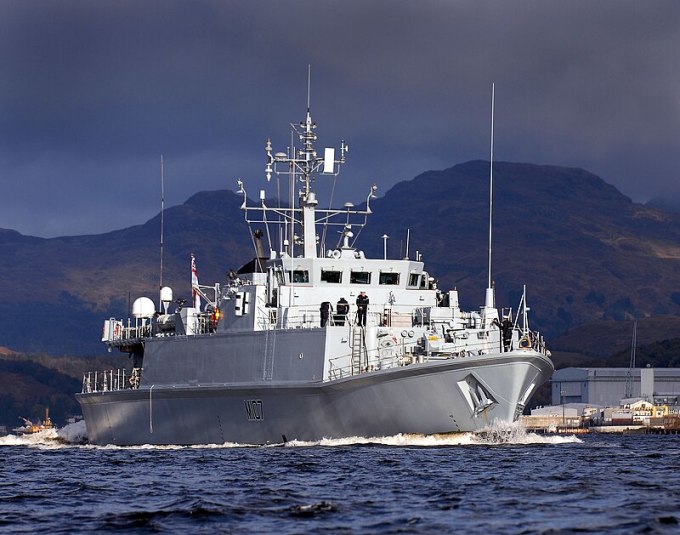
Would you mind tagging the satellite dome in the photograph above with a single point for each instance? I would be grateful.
(143, 307)
(166, 294)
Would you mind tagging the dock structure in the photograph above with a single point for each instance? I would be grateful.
(634, 417)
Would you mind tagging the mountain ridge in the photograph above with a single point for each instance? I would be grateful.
(585, 251)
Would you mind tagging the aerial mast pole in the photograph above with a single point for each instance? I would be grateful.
(489, 303)
(162, 215)
(308, 200)
(301, 165)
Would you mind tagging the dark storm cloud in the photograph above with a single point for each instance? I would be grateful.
(91, 93)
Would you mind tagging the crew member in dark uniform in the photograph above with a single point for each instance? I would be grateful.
(341, 309)
(362, 306)
(325, 312)
(506, 330)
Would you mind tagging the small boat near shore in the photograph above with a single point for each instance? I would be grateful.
(30, 428)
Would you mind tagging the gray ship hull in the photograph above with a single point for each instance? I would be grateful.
(455, 395)
(291, 347)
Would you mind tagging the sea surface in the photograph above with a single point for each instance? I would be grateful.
(507, 481)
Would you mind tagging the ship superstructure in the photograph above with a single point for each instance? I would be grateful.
(312, 339)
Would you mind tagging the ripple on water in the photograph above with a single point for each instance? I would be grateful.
(506, 482)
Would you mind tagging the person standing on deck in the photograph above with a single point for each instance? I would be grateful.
(362, 307)
(325, 310)
(342, 309)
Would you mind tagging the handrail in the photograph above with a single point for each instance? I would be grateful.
(110, 380)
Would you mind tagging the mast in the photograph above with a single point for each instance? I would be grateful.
(162, 214)
(302, 165)
(489, 302)
(307, 197)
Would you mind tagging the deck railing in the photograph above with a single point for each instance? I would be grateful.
(111, 380)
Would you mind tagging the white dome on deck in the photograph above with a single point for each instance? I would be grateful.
(143, 307)
(166, 294)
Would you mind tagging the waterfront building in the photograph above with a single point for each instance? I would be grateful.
(607, 386)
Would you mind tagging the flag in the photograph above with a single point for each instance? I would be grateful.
(196, 298)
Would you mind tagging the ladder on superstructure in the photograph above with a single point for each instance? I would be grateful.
(358, 347)
(268, 364)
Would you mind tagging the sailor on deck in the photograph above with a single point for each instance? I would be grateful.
(325, 310)
(341, 309)
(362, 306)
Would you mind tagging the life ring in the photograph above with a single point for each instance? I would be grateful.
(387, 342)
(524, 343)
(116, 331)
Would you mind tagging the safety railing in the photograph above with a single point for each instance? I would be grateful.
(532, 340)
(111, 380)
(308, 317)
(375, 359)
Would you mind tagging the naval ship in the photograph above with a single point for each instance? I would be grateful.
(311, 339)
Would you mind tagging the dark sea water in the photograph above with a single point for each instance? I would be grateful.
(521, 483)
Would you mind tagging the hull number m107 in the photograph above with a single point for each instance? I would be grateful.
(254, 411)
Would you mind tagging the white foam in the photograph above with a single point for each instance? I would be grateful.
(495, 434)
(43, 437)
(69, 435)
(75, 435)
(516, 433)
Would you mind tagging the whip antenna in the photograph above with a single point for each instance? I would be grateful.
(162, 214)
(491, 178)
(309, 85)
(489, 289)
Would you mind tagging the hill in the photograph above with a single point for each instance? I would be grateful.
(591, 258)
(586, 252)
(58, 291)
(31, 383)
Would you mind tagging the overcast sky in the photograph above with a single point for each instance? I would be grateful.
(93, 92)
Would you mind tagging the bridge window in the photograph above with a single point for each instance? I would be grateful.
(389, 278)
(300, 276)
(413, 279)
(360, 277)
(334, 277)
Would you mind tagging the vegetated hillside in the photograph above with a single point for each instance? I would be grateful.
(669, 202)
(604, 338)
(58, 291)
(584, 250)
(31, 383)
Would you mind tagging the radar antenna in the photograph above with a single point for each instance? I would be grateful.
(302, 165)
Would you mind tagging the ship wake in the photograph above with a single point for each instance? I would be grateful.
(499, 433)
(69, 435)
